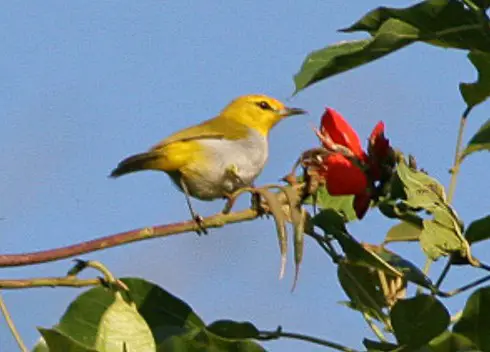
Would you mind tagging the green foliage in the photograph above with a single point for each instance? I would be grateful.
(479, 230)
(344, 56)
(145, 317)
(362, 287)
(475, 322)
(324, 200)
(480, 141)
(450, 341)
(476, 93)
(404, 232)
(418, 320)
(422, 191)
(443, 23)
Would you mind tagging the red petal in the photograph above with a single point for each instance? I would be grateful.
(343, 177)
(341, 132)
(379, 145)
(361, 204)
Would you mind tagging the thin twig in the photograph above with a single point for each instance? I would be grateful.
(11, 325)
(69, 281)
(217, 220)
(443, 273)
(375, 329)
(428, 263)
(272, 335)
(463, 288)
(457, 155)
(326, 246)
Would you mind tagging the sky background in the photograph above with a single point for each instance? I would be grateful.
(85, 84)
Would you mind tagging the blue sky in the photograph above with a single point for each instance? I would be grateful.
(85, 84)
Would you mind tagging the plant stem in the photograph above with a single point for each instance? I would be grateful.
(452, 187)
(272, 335)
(428, 263)
(464, 288)
(443, 273)
(11, 325)
(68, 281)
(457, 154)
(376, 330)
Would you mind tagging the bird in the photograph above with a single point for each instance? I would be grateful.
(217, 157)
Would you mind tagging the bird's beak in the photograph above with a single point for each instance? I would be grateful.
(292, 111)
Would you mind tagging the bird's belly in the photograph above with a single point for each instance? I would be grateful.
(225, 167)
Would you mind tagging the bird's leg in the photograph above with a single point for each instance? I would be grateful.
(256, 202)
(231, 173)
(197, 218)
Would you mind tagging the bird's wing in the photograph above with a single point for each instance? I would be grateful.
(210, 129)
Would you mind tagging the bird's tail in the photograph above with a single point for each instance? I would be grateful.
(138, 162)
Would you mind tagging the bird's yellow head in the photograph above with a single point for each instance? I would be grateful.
(259, 112)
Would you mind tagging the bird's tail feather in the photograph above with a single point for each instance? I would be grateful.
(138, 162)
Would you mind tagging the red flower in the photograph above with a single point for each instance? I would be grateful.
(347, 169)
(339, 130)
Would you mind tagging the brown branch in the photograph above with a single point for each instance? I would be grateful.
(217, 220)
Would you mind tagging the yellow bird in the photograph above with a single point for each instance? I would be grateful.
(218, 156)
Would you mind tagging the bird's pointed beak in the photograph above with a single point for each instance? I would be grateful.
(293, 111)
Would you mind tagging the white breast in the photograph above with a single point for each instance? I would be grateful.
(247, 157)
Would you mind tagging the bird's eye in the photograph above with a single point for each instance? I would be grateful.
(264, 105)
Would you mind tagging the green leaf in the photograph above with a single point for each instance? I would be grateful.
(438, 240)
(422, 190)
(330, 221)
(450, 341)
(475, 323)
(376, 346)
(104, 321)
(344, 56)
(362, 286)
(444, 23)
(479, 230)
(234, 330)
(153, 314)
(122, 325)
(483, 4)
(480, 141)
(40, 346)
(410, 271)
(477, 92)
(55, 340)
(418, 320)
(204, 340)
(403, 232)
(342, 204)
(165, 313)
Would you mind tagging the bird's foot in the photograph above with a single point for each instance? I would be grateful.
(199, 220)
(256, 203)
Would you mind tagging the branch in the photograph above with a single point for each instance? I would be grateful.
(214, 221)
(68, 281)
(273, 335)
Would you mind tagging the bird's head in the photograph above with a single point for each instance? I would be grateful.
(259, 112)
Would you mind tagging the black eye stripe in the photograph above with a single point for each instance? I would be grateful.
(264, 105)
